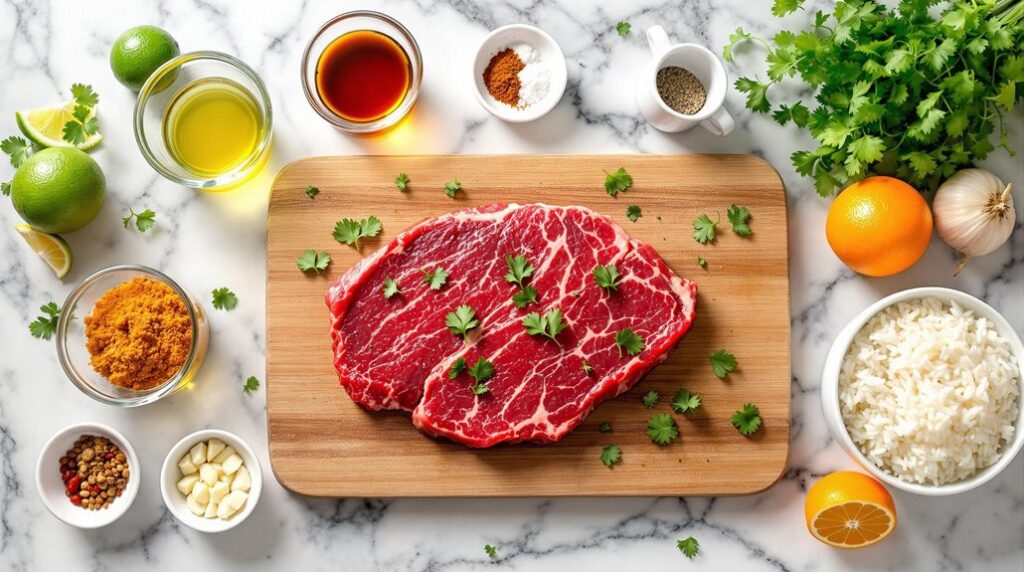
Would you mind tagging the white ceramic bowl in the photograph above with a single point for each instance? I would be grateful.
(175, 501)
(51, 487)
(550, 53)
(830, 389)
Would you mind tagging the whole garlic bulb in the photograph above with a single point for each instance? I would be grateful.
(974, 213)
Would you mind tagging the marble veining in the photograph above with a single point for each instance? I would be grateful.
(207, 241)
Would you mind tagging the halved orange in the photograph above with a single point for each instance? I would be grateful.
(849, 510)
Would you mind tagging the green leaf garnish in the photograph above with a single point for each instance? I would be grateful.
(617, 182)
(722, 362)
(607, 277)
(481, 371)
(435, 278)
(525, 297)
(605, 427)
(251, 384)
(391, 288)
(44, 326)
(224, 299)
(633, 212)
(662, 429)
(689, 546)
(738, 217)
(461, 321)
(611, 455)
(747, 420)
(17, 149)
(650, 399)
(623, 28)
(458, 366)
(311, 260)
(628, 341)
(402, 182)
(349, 231)
(549, 325)
(684, 401)
(452, 187)
(704, 228)
(312, 191)
(143, 220)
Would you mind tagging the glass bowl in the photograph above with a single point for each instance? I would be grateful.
(161, 89)
(351, 22)
(74, 355)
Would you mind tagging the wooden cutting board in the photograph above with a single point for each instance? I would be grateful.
(322, 444)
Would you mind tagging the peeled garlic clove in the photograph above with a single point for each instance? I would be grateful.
(213, 448)
(231, 464)
(223, 455)
(194, 506)
(208, 473)
(201, 493)
(218, 492)
(186, 484)
(198, 453)
(242, 480)
(211, 510)
(235, 500)
(186, 466)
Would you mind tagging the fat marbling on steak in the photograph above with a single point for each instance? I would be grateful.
(396, 353)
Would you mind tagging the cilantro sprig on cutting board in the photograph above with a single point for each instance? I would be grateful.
(908, 91)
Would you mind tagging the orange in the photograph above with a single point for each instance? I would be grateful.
(849, 510)
(879, 226)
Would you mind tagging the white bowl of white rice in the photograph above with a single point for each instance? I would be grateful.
(923, 388)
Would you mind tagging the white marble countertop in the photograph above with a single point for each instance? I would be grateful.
(206, 241)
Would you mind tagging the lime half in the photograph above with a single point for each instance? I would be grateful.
(50, 247)
(45, 126)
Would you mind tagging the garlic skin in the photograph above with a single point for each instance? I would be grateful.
(974, 213)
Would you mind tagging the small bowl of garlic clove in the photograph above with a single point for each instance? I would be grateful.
(211, 480)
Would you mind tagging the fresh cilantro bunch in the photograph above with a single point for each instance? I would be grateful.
(905, 92)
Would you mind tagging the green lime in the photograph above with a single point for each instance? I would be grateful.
(53, 249)
(45, 126)
(58, 190)
(137, 53)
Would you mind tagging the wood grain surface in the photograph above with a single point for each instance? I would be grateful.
(323, 444)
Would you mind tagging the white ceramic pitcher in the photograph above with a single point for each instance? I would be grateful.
(703, 64)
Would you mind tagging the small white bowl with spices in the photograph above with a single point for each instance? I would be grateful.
(519, 73)
(206, 470)
(56, 469)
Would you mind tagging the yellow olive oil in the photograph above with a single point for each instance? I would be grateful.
(212, 126)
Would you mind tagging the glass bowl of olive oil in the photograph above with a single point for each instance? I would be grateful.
(204, 120)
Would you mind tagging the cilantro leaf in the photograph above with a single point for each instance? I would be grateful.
(662, 429)
(628, 341)
(738, 217)
(402, 182)
(461, 321)
(757, 94)
(702, 262)
(633, 212)
(349, 231)
(224, 299)
(650, 399)
(607, 277)
(549, 325)
(251, 384)
(617, 182)
(435, 278)
(452, 187)
(685, 401)
(312, 191)
(611, 455)
(391, 288)
(491, 551)
(143, 220)
(688, 546)
(722, 362)
(704, 229)
(481, 371)
(458, 366)
(5, 188)
(525, 297)
(782, 7)
(747, 420)
(605, 427)
(586, 367)
(311, 260)
(84, 95)
(519, 269)
(623, 28)
(17, 149)
(44, 326)
(74, 132)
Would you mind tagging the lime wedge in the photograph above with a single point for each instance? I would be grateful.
(45, 126)
(53, 249)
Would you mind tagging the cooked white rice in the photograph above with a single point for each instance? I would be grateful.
(929, 391)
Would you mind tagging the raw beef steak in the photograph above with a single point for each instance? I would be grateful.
(397, 353)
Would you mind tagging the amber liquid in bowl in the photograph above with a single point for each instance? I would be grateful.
(363, 76)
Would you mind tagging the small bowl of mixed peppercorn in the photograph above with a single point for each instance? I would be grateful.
(129, 335)
(88, 475)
